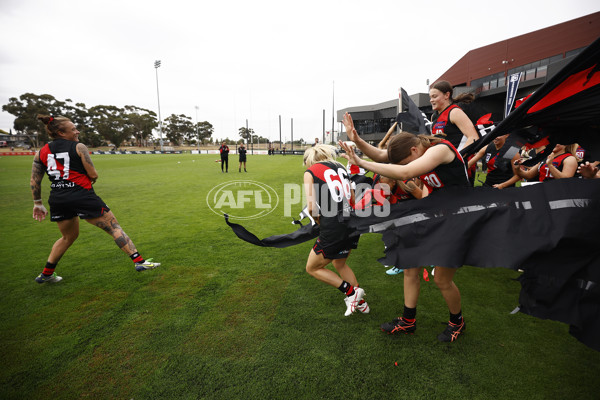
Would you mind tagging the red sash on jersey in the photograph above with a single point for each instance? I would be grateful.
(544, 171)
(433, 180)
(58, 170)
(442, 120)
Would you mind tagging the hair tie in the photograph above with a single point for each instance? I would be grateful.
(51, 119)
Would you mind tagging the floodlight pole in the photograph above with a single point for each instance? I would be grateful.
(156, 66)
(333, 112)
(197, 134)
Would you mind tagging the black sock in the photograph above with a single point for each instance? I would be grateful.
(409, 313)
(456, 319)
(346, 288)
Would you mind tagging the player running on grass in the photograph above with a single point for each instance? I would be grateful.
(328, 192)
(71, 172)
(438, 164)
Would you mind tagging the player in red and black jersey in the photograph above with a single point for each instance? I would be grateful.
(500, 173)
(71, 172)
(439, 165)
(329, 198)
(561, 163)
(448, 118)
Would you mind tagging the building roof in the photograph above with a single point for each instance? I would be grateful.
(524, 49)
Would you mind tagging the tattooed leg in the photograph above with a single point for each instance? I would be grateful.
(109, 224)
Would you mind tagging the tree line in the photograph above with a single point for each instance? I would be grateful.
(104, 123)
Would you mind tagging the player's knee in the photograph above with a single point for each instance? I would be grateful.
(70, 237)
(441, 282)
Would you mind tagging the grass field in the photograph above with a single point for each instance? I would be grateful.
(222, 319)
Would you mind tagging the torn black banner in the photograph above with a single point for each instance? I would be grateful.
(549, 230)
(301, 235)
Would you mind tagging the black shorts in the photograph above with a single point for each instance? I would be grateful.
(243, 159)
(84, 205)
(335, 242)
(337, 250)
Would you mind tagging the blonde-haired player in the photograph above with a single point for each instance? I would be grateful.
(329, 197)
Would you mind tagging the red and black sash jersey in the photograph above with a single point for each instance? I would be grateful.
(397, 193)
(442, 124)
(544, 171)
(333, 190)
(378, 195)
(451, 174)
(498, 168)
(64, 167)
(224, 150)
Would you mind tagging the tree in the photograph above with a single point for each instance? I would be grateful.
(142, 121)
(205, 131)
(179, 127)
(246, 133)
(27, 107)
(81, 117)
(110, 122)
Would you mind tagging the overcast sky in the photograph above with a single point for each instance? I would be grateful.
(250, 59)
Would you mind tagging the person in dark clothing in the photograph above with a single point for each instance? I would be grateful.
(322, 179)
(500, 173)
(242, 155)
(72, 174)
(224, 150)
(438, 164)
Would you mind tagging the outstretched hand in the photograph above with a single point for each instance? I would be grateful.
(588, 170)
(39, 212)
(349, 125)
(349, 154)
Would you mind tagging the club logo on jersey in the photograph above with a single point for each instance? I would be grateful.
(242, 199)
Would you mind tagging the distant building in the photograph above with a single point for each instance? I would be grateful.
(484, 71)
(19, 140)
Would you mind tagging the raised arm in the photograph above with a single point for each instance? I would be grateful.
(84, 153)
(427, 162)
(375, 154)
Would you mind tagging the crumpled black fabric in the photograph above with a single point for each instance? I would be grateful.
(301, 235)
(550, 230)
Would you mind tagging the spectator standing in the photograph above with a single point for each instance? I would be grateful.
(224, 150)
(242, 156)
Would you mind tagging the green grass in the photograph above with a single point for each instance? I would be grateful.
(222, 319)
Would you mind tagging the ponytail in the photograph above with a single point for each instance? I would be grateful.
(446, 87)
(52, 124)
